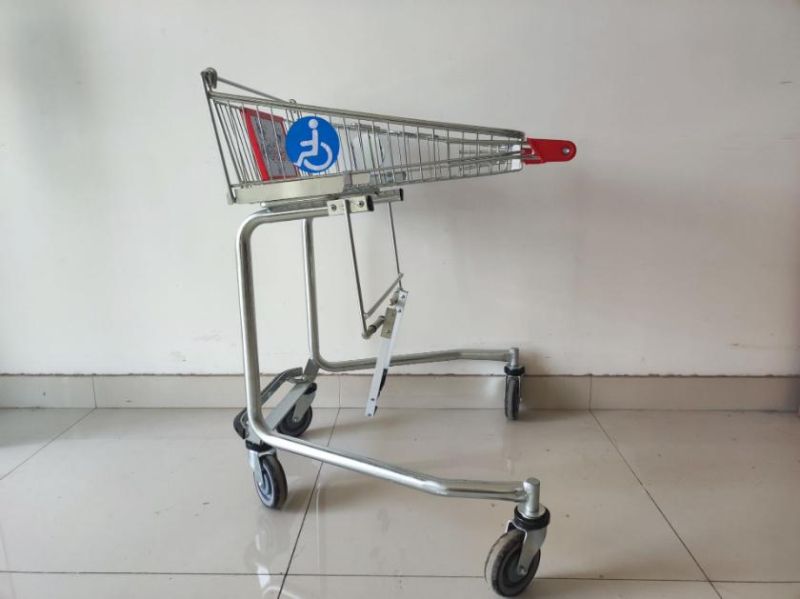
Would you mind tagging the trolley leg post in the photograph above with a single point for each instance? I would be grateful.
(513, 357)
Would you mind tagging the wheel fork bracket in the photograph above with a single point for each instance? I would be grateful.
(531, 544)
(532, 519)
(296, 399)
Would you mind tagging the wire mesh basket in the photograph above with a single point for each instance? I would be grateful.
(375, 151)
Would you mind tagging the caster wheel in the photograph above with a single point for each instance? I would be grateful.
(272, 491)
(501, 565)
(512, 397)
(288, 426)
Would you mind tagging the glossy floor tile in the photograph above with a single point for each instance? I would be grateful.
(118, 503)
(604, 524)
(23, 432)
(135, 586)
(728, 482)
(151, 490)
(193, 391)
(319, 587)
(412, 391)
(758, 590)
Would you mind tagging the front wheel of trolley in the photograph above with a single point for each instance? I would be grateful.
(270, 480)
(502, 569)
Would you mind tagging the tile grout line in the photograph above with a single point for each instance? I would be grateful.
(308, 506)
(58, 436)
(446, 576)
(658, 507)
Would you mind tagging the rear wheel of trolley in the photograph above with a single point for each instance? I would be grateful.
(295, 428)
(512, 398)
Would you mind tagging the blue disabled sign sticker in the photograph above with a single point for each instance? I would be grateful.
(312, 144)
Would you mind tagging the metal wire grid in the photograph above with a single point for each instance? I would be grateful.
(392, 151)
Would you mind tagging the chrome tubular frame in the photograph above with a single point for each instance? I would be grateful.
(376, 155)
(525, 493)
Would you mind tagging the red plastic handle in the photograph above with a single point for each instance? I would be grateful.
(539, 151)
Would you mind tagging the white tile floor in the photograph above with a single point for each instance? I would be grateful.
(159, 503)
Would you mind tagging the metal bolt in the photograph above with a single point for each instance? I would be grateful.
(333, 207)
(361, 203)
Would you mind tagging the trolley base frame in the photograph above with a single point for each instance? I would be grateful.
(261, 434)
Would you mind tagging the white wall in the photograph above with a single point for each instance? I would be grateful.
(670, 245)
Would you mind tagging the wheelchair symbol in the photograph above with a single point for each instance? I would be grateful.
(312, 144)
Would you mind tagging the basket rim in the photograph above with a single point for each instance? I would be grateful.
(371, 116)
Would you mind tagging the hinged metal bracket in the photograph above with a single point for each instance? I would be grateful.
(389, 321)
(531, 544)
(391, 324)
(339, 206)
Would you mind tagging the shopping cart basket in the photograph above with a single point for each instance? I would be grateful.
(303, 162)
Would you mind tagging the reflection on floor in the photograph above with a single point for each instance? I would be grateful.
(160, 503)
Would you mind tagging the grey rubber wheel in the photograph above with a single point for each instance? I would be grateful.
(273, 490)
(501, 565)
(512, 397)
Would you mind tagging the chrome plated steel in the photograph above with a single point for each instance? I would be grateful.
(531, 507)
(377, 150)
(367, 330)
(501, 490)
(532, 543)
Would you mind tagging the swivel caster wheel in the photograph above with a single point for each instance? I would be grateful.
(271, 483)
(294, 428)
(502, 565)
(513, 391)
(512, 397)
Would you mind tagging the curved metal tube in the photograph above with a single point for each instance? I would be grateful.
(446, 487)
(508, 491)
(247, 307)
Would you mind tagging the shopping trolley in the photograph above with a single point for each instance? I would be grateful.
(303, 162)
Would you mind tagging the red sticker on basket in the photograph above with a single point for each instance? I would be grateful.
(267, 134)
